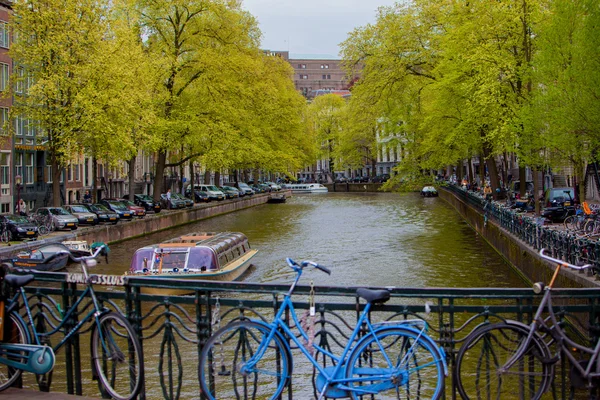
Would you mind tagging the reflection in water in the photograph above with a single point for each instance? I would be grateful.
(375, 239)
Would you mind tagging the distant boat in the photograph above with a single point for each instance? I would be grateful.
(214, 256)
(429, 191)
(50, 257)
(276, 198)
(305, 188)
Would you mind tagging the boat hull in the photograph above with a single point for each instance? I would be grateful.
(231, 272)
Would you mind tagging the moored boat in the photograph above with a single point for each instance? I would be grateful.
(306, 188)
(50, 257)
(429, 191)
(276, 198)
(221, 256)
(78, 248)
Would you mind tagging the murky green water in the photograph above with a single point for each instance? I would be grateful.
(375, 239)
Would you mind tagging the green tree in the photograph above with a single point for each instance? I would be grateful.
(55, 48)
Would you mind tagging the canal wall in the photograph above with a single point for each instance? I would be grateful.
(523, 258)
(152, 223)
(352, 187)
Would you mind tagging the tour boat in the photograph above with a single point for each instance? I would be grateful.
(306, 188)
(221, 256)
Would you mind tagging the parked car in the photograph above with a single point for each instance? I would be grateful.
(515, 189)
(230, 192)
(360, 179)
(175, 203)
(242, 186)
(381, 178)
(145, 201)
(561, 196)
(19, 227)
(103, 213)
(84, 216)
(199, 196)
(186, 201)
(118, 207)
(61, 218)
(273, 185)
(137, 211)
(213, 192)
(559, 203)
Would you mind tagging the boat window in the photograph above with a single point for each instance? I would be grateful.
(202, 258)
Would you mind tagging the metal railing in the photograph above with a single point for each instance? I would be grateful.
(559, 242)
(173, 328)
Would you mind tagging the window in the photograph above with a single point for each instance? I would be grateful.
(302, 66)
(4, 35)
(328, 76)
(70, 173)
(49, 174)
(28, 168)
(77, 172)
(5, 208)
(20, 83)
(23, 126)
(4, 75)
(4, 169)
(324, 76)
(3, 120)
(19, 164)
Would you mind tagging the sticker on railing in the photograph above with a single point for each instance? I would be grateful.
(107, 280)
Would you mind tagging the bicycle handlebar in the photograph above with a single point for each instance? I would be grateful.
(85, 258)
(563, 263)
(307, 263)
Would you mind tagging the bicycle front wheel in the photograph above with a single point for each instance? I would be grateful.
(224, 370)
(397, 363)
(117, 357)
(487, 349)
(15, 332)
(43, 230)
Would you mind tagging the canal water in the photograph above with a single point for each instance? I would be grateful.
(374, 239)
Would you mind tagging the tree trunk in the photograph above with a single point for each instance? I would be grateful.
(158, 177)
(217, 178)
(470, 171)
(94, 179)
(207, 177)
(132, 177)
(181, 175)
(56, 170)
(523, 181)
(482, 170)
(536, 190)
(492, 169)
(192, 181)
(459, 172)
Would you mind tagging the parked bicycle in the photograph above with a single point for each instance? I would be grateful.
(116, 353)
(513, 360)
(45, 224)
(252, 359)
(5, 235)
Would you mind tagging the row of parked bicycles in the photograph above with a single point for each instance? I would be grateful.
(22, 227)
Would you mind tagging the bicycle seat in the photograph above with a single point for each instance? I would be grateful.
(18, 281)
(373, 296)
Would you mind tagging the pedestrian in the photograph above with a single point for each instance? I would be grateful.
(169, 199)
(487, 191)
(22, 207)
(87, 197)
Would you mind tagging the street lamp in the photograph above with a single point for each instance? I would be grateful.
(18, 184)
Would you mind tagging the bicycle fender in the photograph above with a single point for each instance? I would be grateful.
(424, 336)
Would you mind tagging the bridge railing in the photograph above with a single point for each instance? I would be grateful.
(559, 242)
(173, 328)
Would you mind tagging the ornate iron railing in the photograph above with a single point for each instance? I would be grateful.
(559, 242)
(173, 328)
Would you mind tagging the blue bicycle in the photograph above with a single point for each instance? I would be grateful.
(116, 353)
(252, 359)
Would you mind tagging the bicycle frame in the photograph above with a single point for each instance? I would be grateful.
(559, 336)
(96, 313)
(332, 376)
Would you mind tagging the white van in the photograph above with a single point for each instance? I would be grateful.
(213, 192)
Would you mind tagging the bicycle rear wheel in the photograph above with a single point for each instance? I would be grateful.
(418, 365)
(223, 368)
(117, 357)
(43, 230)
(487, 349)
(15, 332)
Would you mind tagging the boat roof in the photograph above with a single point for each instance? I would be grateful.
(219, 241)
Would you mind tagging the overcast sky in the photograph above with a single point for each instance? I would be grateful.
(311, 26)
